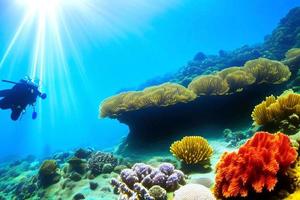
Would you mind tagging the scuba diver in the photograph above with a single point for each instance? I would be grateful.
(22, 94)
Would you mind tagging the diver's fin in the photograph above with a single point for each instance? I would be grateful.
(4, 93)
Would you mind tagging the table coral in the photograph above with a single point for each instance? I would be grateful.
(162, 95)
(268, 71)
(209, 85)
(192, 149)
(255, 166)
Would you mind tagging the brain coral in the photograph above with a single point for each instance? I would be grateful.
(192, 149)
(193, 192)
(268, 71)
(209, 85)
(255, 166)
(273, 111)
(162, 95)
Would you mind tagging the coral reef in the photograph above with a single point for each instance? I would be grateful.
(279, 114)
(99, 161)
(283, 38)
(48, 173)
(192, 149)
(255, 166)
(162, 95)
(209, 85)
(192, 192)
(145, 176)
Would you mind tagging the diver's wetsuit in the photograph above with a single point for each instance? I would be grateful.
(22, 94)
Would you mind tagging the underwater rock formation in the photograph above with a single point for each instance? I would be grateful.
(192, 192)
(279, 114)
(77, 165)
(160, 113)
(145, 176)
(255, 166)
(48, 173)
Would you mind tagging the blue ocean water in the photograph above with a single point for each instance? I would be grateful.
(85, 51)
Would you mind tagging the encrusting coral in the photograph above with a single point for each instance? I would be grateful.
(144, 176)
(268, 71)
(255, 166)
(162, 95)
(209, 85)
(281, 113)
(192, 149)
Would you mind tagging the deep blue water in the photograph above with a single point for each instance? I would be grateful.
(85, 51)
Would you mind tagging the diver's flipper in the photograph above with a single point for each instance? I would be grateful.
(15, 114)
(4, 93)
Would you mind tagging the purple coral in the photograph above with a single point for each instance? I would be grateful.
(142, 170)
(129, 177)
(142, 177)
(160, 179)
(166, 168)
(142, 191)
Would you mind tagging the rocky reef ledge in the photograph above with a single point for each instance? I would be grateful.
(210, 104)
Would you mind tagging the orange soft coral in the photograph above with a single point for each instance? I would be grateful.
(255, 166)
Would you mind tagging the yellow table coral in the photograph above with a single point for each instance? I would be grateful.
(268, 71)
(162, 95)
(209, 85)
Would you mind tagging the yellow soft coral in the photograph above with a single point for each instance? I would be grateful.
(268, 71)
(209, 85)
(162, 95)
(192, 149)
(293, 196)
(274, 110)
